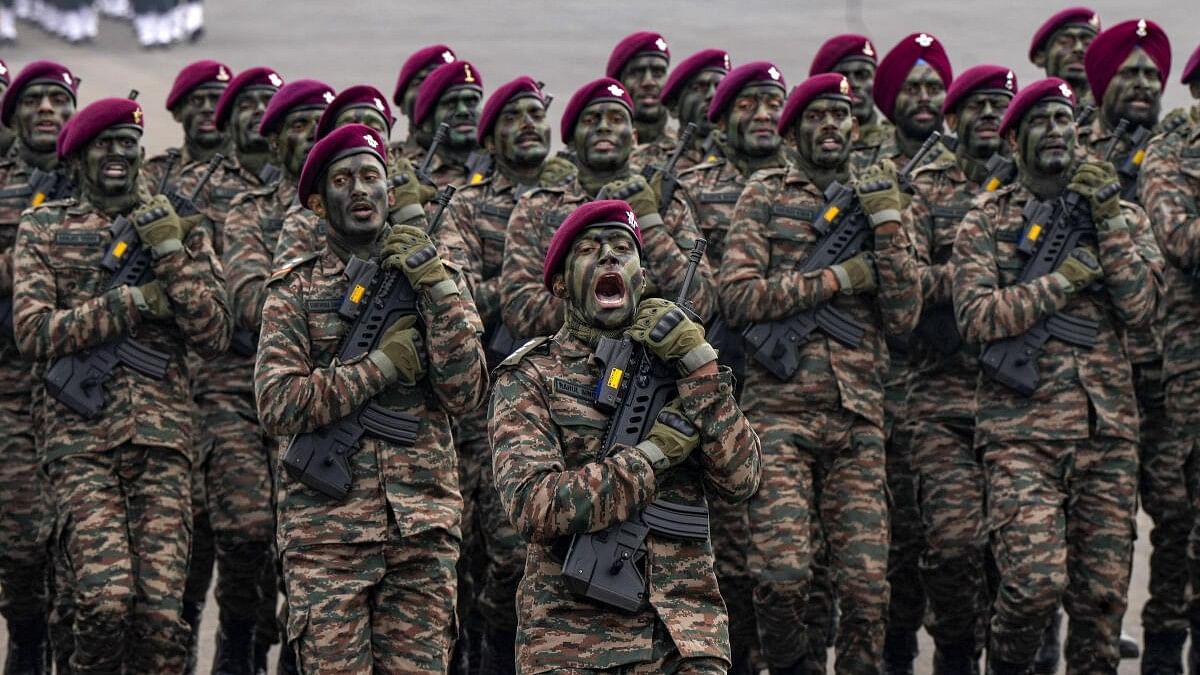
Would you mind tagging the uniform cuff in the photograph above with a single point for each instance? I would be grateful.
(697, 357)
(653, 454)
(442, 289)
(1112, 224)
(650, 220)
(167, 247)
(885, 216)
(384, 364)
(406, 213)
(843, 278)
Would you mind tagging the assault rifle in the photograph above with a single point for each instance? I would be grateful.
(77, 380)
(634, 387)
(49, 185)
(424, 169)
(845, 230)
(1139, 141)
(670, 179)
(375, 299)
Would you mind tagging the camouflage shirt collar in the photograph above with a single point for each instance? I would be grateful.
(330, 264)
(571, 346)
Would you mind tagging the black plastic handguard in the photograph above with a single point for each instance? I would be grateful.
(49, 186)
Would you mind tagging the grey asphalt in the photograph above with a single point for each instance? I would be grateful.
(565, 44)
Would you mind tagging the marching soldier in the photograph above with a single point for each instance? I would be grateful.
(192, 102)
(685, 96)
(451, 94)
(640, 62)
(1059, 45)
(412, 73)
(854, 56)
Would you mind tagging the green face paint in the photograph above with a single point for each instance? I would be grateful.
(1046, 138)
(604, 277)
(977, 123)
(823, 133)
(197, 115)
(753, 120)
(692, 105)
(1134, 93)
(355, 193)
(42, 110)
(860, 73)
(110, 165)
(248, 109)
(458, 107)
(295, 139)
(363, 115)
(1064, 54)
(918, 110)
(522, 134)
(603, 137)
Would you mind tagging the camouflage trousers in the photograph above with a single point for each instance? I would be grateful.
(474, 453)
(1061, 519)
(664, 660)
(827, 465)
(125, 525)
(730, 527)
(953, 565)
(906, 609)
(24, 519)
(1183, 414)
(373, 608)
(504, 553)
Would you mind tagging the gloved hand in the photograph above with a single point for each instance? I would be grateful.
(408, 192)
(672, 438)
(641, 196)
(156, 222)
(878, 191)
(1081, 268)
(856, 275)
(1098, 182)
(401, 343)
(154, 302)
(411, 251)
(555, 171)
(669, 334)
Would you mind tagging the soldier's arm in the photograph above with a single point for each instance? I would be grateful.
(984, 311)
(526, 307)
(729, 448)
(1170, 202)
(544, 499)
(899, 280)
(193, 279)
(935, 279)
(460, 218)
(1133, 266)
(247, 266)
(457, 363)
(666, 249)
(293, 394)
(747, 293)
(297, 237)
(43, 330)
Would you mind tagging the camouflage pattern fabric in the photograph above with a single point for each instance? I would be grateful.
(654, 155)
(252, 231)
(301, 232)
(546, 436)
(444, 172)
(713, 189)
(874, 134)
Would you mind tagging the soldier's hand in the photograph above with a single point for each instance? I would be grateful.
(669, 334)
(856, 275)
(1099, 183)
(408, 193)
(157, 223)
(401, 344)
(555, 171)
(411, 251)
(878, 191)
(672, 438)
(152, 301)
(1081, 268)
(641, 197)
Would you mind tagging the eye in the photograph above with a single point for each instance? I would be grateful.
(773, 104)
(622, 246)
(339, 180)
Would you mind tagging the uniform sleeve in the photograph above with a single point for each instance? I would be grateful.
(528, 309)
(459, 218)
(729, 448)
(1170, 203)
(457, 364)
(247, 266)
(899, 291)
(195, 282)
(1133, 267)
(935, 280)
(43, 330)
(984, 311)
(747, 292)
(666, 247)
(293, 395)
(297, 237)
(543, 498)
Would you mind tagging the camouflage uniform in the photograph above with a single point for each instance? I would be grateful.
(300, 233)
(1062, 465)
(528, 310)
(822, 432)
(370, 579)
(546, 436)
(120, 482)
(655, 154)
(874, 134)
(443, 172)
(1169, 184)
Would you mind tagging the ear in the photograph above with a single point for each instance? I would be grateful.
(489, 144)
(1010, 137)
(1039, 58)
(559, 286)
(1194, 88)
(391, 194)
(177, 114)
(273, 142)
(952, 121)
(635, 138)
(317, 205)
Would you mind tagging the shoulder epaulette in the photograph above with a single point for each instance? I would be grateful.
(524, 350)
(292, 264)
(707, 164)
(53, 204)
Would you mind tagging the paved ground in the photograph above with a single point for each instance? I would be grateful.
(564, 44)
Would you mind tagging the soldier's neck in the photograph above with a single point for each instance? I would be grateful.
(821, 176)
(908, 146)
(46, 161)
(519, 175)
(580, 327)
(253, 161)
(649, 132)
(201, 154)
(110, 205)
(747, 164)
(453, 156)
(344, 248)
(592, 180)
(974, 168)
(1044, 186)
(870, 119)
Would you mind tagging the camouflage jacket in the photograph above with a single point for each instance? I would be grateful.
(713, 188)
(301, 386)
(444, 172)
(15, 196)
(61, 307)
(1075, 384)
(301, 232)
(771, 234)
(546, 437)
(656, 153)
(529, 310)
(1169, 186)
(874, 134)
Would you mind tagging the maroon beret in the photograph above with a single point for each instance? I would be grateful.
(298, 95)
(1085, 16)
(519, 88)
(1031, 95)
(600, 213)
(252, 77)
(433, 55)
(38, 72)
(708, 59)
(1110, 49)
(824, 85)
(343, 141)
(977, 78)
(194, 75)
(445, 76)
(1192, 69)
(755, 72)
(358, 96)
(895, 67)
(641, 42)
(840, 47)
(89, 122)
(4, 75)
(603, 89)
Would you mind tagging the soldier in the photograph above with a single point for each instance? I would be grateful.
(640, 62)
(597, 125)
(36, 108)
(119, 477)
(941, 393)
(685, 96)
(854, 56)
(370, 578)
(451, 94)
(556, 480)
(239, 113)
(1061, 464)
(1168, 187)
(1059, 44)
(822, 430)
(412, 73)
(192, 102)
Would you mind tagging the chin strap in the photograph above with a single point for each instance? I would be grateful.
(579, 327)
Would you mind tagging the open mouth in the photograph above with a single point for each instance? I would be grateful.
(923, 115)
(1074, 67)
(1049, 146)
(829, 143)
(362, 210)
(610, 291)
(207, 126)
(987, 129)
(46, 127)
(604, 145)
(114, 169)
(528, 139)
(465, 127)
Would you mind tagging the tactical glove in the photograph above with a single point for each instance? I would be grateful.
(555, 171)
(1098, 182)
(1081, 268)
(401, 344)
(411, 251)
(641, 196)
(409, 194)
(158, 225)
(669, 334)
(152, 301)
(878, 191)
(856, 275)
(672, 438)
